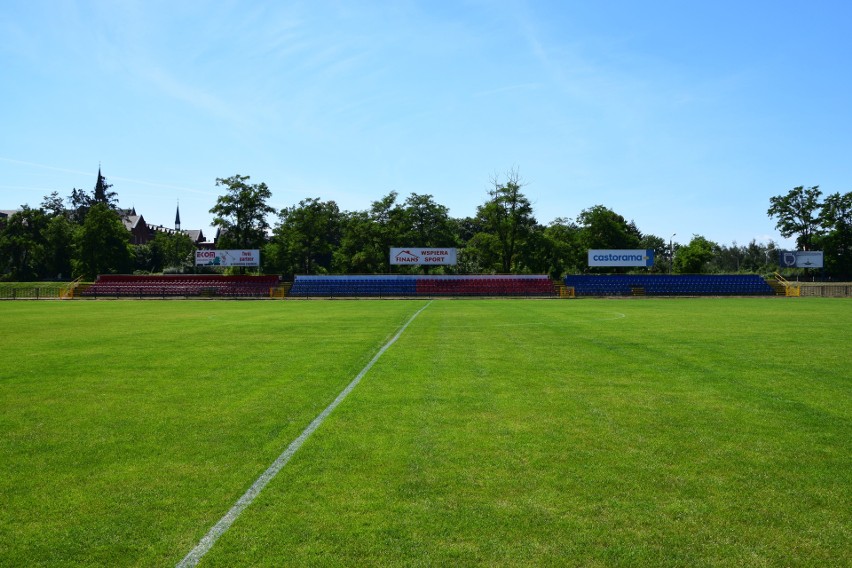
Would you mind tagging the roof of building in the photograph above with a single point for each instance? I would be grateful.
(132, 221)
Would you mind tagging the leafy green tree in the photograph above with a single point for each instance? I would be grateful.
(172, 250)
(53, 205)
(80, 202)
(388, 219)
(602, 228)
(836, 216)
(508, 218)
(23, 247)
(695, 257)
(797, 213)
(102, 244)
(465, 228)
(357, 252)
(426, 223)
(565, 253)
(241, 213)
(143, 260)
(165, 250)
(307, 236)
(59, 246)
(481, 254)
(536, 252)
(661, 251)
(728, 259)
(367, 236)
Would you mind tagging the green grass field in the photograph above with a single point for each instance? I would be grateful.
(688, 432)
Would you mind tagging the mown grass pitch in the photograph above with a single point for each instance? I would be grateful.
(665, 432)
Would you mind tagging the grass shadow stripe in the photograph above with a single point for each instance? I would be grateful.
(206, 543)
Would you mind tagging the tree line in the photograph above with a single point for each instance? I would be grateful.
(83, 239)
(818, 224)
(316, 237)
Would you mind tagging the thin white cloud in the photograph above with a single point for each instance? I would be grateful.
(109, 178)
(43, 166)
(507, 89)
(199, 98)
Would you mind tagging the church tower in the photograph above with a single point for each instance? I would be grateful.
(177, 218)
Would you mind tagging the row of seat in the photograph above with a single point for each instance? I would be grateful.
(421, 285)
(507, 287)
(182, 278)
(183, 285)
(668, 285)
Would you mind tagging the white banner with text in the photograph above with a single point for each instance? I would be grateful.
(604, 257)
(422, 256)
(227, 258)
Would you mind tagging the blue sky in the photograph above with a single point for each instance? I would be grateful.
(685, 117)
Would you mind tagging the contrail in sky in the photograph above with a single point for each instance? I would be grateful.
(116, 178)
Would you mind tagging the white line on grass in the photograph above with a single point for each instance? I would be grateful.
(206, 543)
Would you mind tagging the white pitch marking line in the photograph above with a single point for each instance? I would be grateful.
(618, 316)
(206, 543)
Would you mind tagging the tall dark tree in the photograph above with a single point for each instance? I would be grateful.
(566, 254)
(661, 251)
(172, 250)
(80, 202)
(102, 193)
(23, 246)
(367, 236)
(59, 240)
(537, 252)
(307, 236)
(53, 205)
(426, 223)
(695, 257)
(358, 251)
(388, 217)
(797, 213)
(508, 217)
(602, 228)
(753, 257)
(241, 214)
(102, 244)
(836, 216)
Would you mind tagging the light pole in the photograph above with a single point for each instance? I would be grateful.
(671, 252)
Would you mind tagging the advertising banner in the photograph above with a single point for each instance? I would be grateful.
(800, 259)
(605, 257)
(227, 258)
(423, 256)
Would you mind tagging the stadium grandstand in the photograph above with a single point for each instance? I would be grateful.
(210, 286)
(181, 285)
(406, 286)
(668, 285)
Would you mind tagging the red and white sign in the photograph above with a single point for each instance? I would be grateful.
(422, 256)
(227, 258)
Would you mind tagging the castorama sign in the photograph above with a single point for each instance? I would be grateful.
(621, 257)
(422, 256)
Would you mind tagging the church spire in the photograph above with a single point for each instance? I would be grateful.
(177, 217)
(100, 188)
